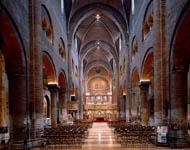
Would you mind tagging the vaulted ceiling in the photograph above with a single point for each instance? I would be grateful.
(95, 24)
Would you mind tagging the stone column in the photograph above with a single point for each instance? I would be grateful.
(178, 110)
(121, 107)
(133, 105)
(36, 76)
(69, 88)
(144, 85)
(18, 107)
(54, 98)
(63, 105)
(158, 49)
(128, 107)
(80, 95)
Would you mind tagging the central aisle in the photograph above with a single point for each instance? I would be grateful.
(100, 138)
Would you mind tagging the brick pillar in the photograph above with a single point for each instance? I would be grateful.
(18, 107)
(158, 105)
(117, 90)
(62, 107)
(144, 85)
(134, 105)
(80, 94)
(128, 108)
(36, 81)
(54, 99)
(122, 107)
(69, 69)
(178, 110)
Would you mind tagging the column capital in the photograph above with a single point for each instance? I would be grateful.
(144, 84)
(53, 87)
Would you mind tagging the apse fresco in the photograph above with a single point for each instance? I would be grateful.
(98, 85)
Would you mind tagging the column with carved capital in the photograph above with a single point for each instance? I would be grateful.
(144, 85)
(54, 99)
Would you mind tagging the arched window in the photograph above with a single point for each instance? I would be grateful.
(133, 7)
(73, 69)
(47, 24)
(134, 48)
(76, 71)
(148, 20)
(120, 44)
(62, 50)
(124, 65)
(62, 7)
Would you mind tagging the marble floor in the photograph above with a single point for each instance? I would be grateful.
(100, 138)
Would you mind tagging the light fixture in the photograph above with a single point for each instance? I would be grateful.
(147, 80)
(98, 44)
(52, 83)
(98, 17)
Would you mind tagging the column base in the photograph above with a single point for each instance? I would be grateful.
(177, 139)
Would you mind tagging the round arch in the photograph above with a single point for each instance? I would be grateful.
(179, 62)
(100, 63)
(49, 73)
(147, 64)
(13, 56)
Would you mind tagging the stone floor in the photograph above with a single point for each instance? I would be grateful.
(101, 137)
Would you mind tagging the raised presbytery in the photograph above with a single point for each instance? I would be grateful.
(94, 74)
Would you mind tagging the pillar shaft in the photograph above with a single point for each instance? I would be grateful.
(178, 98)
(178, 102)
(36, 82)
(54, 99)
(158, 49)
(144, 102)
(63, 106)
(80, 95)
(19, 115)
